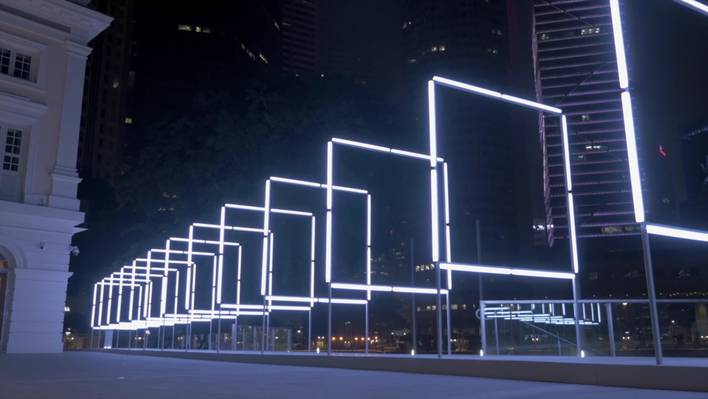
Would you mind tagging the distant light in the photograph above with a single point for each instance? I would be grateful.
(317, 350)
(67, 309)
(662, 151)
(481, 352)
(582, 354)
(412, 352)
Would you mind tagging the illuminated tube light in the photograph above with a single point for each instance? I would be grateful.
(266, 226)
(465, 87)
(362, 287)
(566, 153)
(448, 245)
(222, 222)
(244, 207)
(312, 260)
(235, 228)
(368, 244)
(695, 5)
(632, 157)
(531, 104)
(573, 234)
(289, 307)
(349, 189)
(414, 290)
(284, 298)
(93, 305)
(506, 270)
(295, 181)
(619, 44)
(328, 221)
(434, 212)
(675, 232)
(361, 145)
(410, 154)
(343, 301)
(240, 306)
(290, 212)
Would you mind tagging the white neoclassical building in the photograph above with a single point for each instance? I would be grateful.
(43, 50)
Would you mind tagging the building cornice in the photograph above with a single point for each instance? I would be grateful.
(81, 23)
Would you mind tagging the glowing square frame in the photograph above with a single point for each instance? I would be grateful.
(630, 136)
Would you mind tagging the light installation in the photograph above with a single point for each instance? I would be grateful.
(141, 277)
(646, 228)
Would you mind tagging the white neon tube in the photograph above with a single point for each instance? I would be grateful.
(348, 189)
(433, 172)
(505, 270)
(361, 145)
(343, 301)
(235, 228)
(238, 278)
(289, 307)
(93, 305)
(328, 220)
(110, 303)
(675, 232)
(290, 212)
(573, 234)
(566, 153)
(214, 270)
(222, 222)
(448, 245)
(270, 263)
(100, 306)
(619, 44)
(188, 280)
(312, 260)
(244, 207)
(632, 157)
(465, 87)
(368, 244)
(362, 287)
(266, 227)
(410, 154)
(531, 104)
(541, 273)
(286, 298)
(694, 5)
(163, 288)
(415, 290)
(294, 181)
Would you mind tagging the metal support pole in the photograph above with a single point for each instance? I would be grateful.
(329, 322)
(268, 336)
(651, 295)
(309, 330)
(610, 328)
(117, 339)
(496, 336)
(483, 327)
(211, 323)
(234, 335)
(449, 324)
(263, 327)
(576, 316)
(173, 336)
(366, 327)
(413, 305)
(218, 333)
(438, 308)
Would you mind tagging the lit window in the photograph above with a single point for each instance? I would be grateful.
(11, 153)
(434, 49)
(442, 47)
(116, 84)
(590, 31)
(493, 51)
(128, 120)
(545, 36)
(185, 28)
(198, 29)
(263, 57)
(585, 117)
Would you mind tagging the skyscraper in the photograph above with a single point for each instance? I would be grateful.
(109, 78)
(299, 42)
(575, 70)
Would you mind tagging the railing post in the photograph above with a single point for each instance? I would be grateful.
(610, 328)
(651, 295)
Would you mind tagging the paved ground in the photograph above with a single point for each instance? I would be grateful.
(81, 375)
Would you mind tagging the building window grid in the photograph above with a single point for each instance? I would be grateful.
(12, 150)
(15, 64)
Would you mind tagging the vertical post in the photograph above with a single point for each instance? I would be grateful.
(218, 333)
(449, 324)
(234, 335)
(496, 336)
(413, 305)
(263, 327)
(117, 339)
(211, 323)
(366, 327)
(610, 328)
(483, 327)
(173, 336)
(268, 336)
(576, 316)
(651, 295)
(329, 321)
(438, 308)
(309, 330)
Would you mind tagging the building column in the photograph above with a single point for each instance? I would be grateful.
(65, 178)
(37, 310)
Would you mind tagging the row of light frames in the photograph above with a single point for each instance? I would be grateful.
(305, 183)
(330, 186)
(630, 136)
(432, 115)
